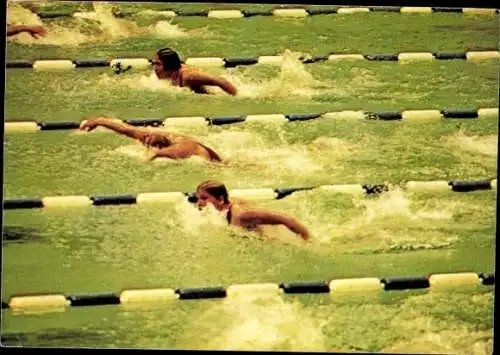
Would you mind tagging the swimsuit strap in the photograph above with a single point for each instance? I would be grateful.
(181, 81)
(229, 214)
(177, 79)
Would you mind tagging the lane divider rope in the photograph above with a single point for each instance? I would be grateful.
(256, 194)
(120, 65)
(433, 281)
(283, 11)
(424, 115)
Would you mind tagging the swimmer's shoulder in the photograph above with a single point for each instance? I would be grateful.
(240, 205)
(187, 70)
(188, 73)
(239, 202)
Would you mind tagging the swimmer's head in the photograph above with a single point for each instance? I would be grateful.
(213, 192)
(166, 60)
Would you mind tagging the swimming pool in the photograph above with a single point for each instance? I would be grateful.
(398, 233)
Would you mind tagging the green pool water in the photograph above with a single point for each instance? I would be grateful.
(166, 245)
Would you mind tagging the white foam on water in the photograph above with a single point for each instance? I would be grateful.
(136, 151)
(301, 206)
(293, 79)
(109, 25)
(152, 83)
(141, 82)
(285, 160)
(17, 14)
(397, 203)
(258, 323)
(56, 34)
(250, 150)
(192, 160)
(195, 222)
(281, 234)
(165, 29)
(119, 28)
(149, 82)
(386, 222)
(99, 25)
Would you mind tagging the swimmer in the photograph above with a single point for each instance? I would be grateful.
(240, 213)
(168, 65)
(34, 30)
(164, 144)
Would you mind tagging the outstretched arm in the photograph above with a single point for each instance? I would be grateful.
(256, 217)
(33, 30)
(198, 79)
(114, 125)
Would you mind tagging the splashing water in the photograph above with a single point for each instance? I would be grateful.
(119, 28)
(137, 151)
(166, 29)
(258, 322)
(112, 27)
(195, 222)
(56, 34)
(148, 82)
(252, 151)
(396, 203)
(292, 80)
(17, 14)
(381, 223)
(101, 23)
(192, 221)
(284, 160)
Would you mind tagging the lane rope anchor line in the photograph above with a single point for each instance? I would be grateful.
(456, 186)
(284, 11)
(121, 65)
(423, 115)
(431, 282)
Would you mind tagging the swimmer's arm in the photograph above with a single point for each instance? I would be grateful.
(200, 90)
(114, 125)
(198, 80)
(252, 217)
(33, 30)
(15, 29)
(177, 151)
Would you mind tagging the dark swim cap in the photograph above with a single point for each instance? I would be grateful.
(169, 58)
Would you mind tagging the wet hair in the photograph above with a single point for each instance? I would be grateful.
(169, 58)
(214, 188)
